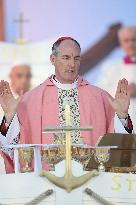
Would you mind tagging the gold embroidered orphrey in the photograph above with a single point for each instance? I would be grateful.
(68, 181)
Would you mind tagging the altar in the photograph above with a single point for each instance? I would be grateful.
(25, 188)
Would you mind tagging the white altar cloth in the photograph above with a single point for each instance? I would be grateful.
(23, 187)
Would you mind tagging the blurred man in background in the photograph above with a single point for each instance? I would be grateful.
(123, 68)
(20, 78)
(20, 83)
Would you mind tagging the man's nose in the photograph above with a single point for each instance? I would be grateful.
(24, 80)
(72, 62)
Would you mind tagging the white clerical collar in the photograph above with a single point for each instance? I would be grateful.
(64, 86)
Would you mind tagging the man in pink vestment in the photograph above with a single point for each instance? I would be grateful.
(26, 118)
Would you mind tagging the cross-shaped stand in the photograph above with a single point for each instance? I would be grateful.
(68, 181)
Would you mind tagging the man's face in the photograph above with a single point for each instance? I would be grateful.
(128, 42)
(20, 78)
(67, 61)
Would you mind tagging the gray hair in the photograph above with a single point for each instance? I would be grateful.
(55, 47)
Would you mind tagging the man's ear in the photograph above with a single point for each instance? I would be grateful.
(52, 59)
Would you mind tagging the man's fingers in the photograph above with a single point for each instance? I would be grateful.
(1, 87)
(7, 88)
(122, 87)
(118, 87)
(4, 88)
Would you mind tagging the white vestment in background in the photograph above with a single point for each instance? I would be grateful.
(112, 72)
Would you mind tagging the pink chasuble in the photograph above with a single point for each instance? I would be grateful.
(39, 108)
